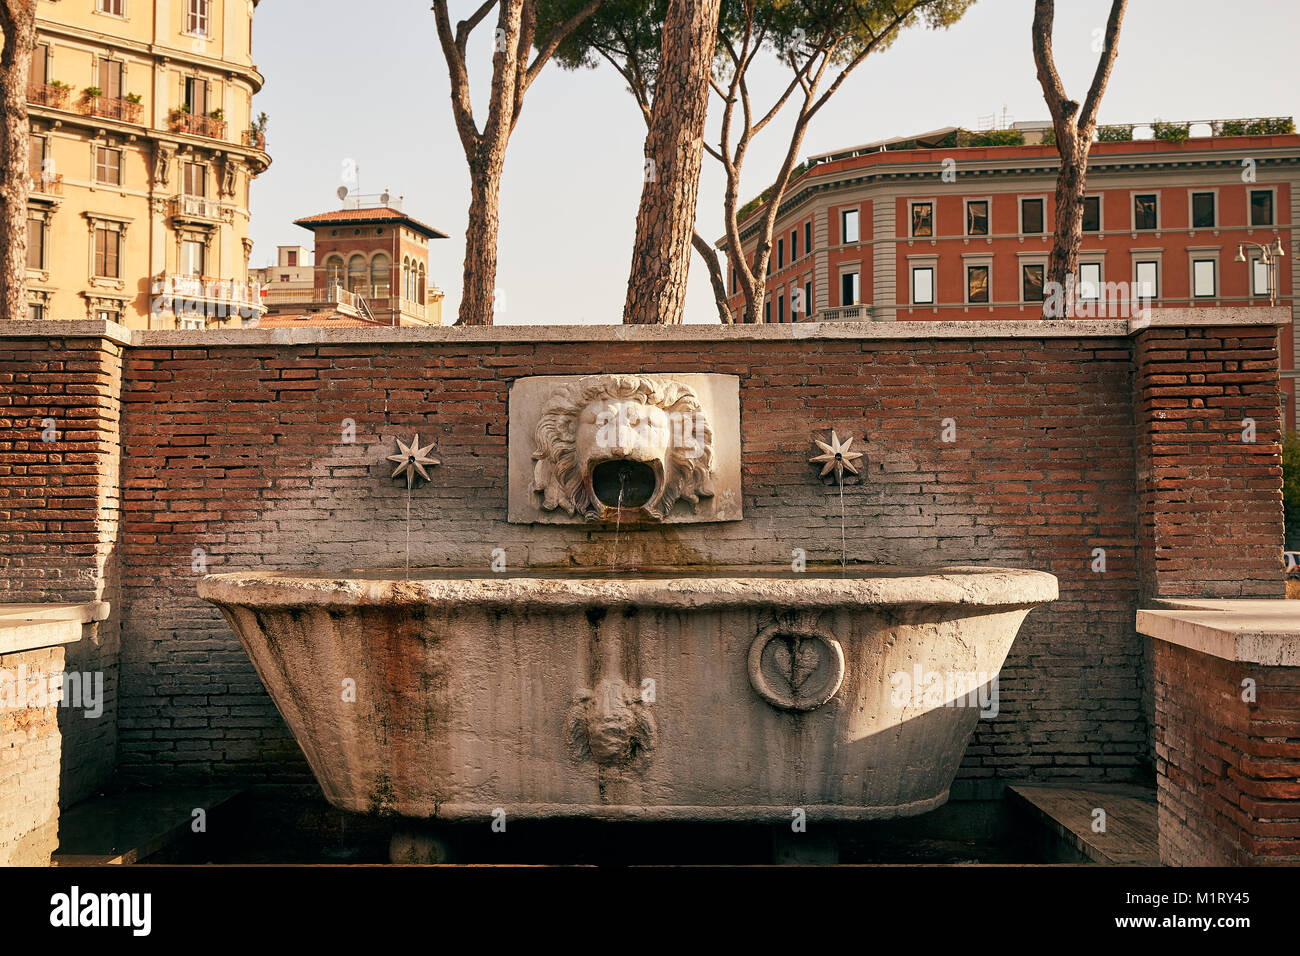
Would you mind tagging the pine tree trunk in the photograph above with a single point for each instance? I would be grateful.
(1071, 184)
(18, 21)
(478, 284)
(665, 222)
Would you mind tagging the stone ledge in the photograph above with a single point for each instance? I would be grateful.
(1241, 630)
(28, 627)
(1229, 316)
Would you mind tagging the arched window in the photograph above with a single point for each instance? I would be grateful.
(406, 278)
(419, 292)
(357, 275)
(381, 279)
(333, 271)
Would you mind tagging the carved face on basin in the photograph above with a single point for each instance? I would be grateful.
(608, 445)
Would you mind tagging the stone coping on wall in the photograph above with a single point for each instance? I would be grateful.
(1245, 316)
(27, 627)
(1241, 630)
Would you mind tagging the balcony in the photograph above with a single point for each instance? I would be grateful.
(48, 94)
(107, 107)
(254, 138)
(199, 207)
(195, 125)
(44, 184)
(193, 296)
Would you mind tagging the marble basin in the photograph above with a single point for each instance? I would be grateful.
(720, 693)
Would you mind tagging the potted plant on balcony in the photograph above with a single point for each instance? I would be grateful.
(218, 114)
(92, 92)
(135, 98)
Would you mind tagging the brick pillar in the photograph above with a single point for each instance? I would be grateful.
(1209, 497)
(60, 507)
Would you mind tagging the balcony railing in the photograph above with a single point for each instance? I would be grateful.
(45, 184)
(254, 138)
(193, 295)
(128, 111)
(183, 122)
(197, 207)
(47, 94)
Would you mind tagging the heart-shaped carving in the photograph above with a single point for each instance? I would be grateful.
(796, 659)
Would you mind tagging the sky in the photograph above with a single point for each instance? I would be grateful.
(365, 84)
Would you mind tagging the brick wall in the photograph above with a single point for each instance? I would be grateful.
(29, 762)
(1229, 769)
(60, 515)
(234, 455)
(1209, 466)
(238, 453)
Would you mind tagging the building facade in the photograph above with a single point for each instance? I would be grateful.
(369, 266)
(143, 148)
(914, 230)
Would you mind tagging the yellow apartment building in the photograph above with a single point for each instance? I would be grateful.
(144, 144)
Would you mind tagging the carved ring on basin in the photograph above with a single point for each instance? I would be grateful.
(796, 667)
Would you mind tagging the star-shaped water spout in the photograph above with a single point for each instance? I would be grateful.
(411, 460)
(836, 457)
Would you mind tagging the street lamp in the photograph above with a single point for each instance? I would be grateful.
(1269, 256)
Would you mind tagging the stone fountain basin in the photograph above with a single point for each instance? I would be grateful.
(720, 693)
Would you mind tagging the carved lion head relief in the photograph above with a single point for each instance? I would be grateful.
(616, 445)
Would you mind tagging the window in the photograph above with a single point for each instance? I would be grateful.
(35, 243)
(1092, 214)
(196, 95)
(357, 275)
(1144, 211)
(1202, 210)
(849, 288)
(1147, 276)
(333, 271)
(1031, 282)
(39, 73)
(291, 258)
(116, 7)
(197, 17)
(1261, 207)
(1090, 281)
(807, 237)
(733, 281)
(112, 315)
(780, 308)
(780, 253)
(1203, 278)
(196, 179)
(380, 281)
(1031, 215)
(193, 254)
(108, 246)
(36, 157)
(794, 244)
(807, 298)
(922, 219)
(1258, 277)
(977, 283)
(849, 226)
(35, 312)
(923, 285)
(108, 166)
(110, 78)
(977, 218)
(767, 311)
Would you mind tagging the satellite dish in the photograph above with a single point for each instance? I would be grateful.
(342, 192)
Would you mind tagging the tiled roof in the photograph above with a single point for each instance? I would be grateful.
(348, 217)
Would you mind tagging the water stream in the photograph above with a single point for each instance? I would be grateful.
(618, 516)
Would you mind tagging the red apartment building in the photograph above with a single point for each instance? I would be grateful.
(914, 229)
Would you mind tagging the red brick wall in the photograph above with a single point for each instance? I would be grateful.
(239, 452)
(1210, 501)
(1229, 769)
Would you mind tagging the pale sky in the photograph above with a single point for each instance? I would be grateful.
(367, 83)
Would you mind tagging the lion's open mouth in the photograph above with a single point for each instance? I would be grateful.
(624, 482)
